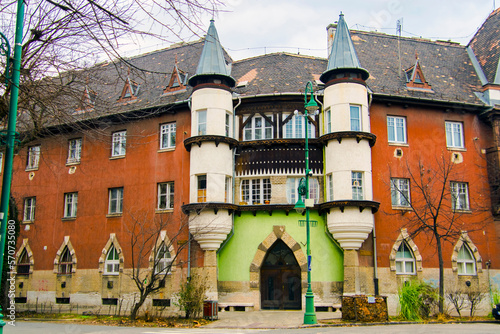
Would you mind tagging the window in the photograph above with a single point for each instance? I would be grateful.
(396, 129)
(355, 118)
(112, 262)
(202, 188)
(228, 125)
(1, 162)
(256, 191)
(328, 120)
(258, 128)
(70, 205)
(202, 123)
(329, 183)
(405, 262)
(228, 186)
(400, 192)
(23, 263)
(74, 150)
(295, 128)
(119, 143)
(454, 134)
(65, 261)
(167, 136)
(357, 185)
(165, 195)
(466, 264)
(33, 157)
(459, 195)
(163, 259)
(115, 200)
(292, 185)
(29, 209)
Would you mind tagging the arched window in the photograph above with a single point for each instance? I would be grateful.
(112, 263)
(65, 262)
(163, 260)
(405, 262)
(466, 264)
(23, 263)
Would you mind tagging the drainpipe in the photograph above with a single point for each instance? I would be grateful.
(234, 176)
(189, 237)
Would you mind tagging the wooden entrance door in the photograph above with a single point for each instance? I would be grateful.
(280, 285)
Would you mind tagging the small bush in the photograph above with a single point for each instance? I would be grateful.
(416, 300)
(192, 295)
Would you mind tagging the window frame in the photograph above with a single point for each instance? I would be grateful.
(296, 129)
(70, 205)
(394, 131)
(328, 116)
(251, 129)
(358, 119)
(228, 185)
(202, 123)
(403, 261)
(256, 191)
(29, 209)
(165, 261)
(119, 143)
(462, 262)
(201, 187)
(114, 263)
(118, 199)
(74, 151)
(166, 195)
(450, 135)
(357, 190)
(399, 195)
(329, 185)
(292, 193)
(455, 190)
(33, 157)
(228, 125)
(167, 135)
(65, 266)
(23, 265)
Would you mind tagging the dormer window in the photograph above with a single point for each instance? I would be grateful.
(415, 79)
(87, 102)
(178, 81)
(130, 91)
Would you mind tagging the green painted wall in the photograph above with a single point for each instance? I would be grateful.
(249, 231)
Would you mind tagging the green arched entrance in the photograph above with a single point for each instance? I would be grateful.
(280, 286)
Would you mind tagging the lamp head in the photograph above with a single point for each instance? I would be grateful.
(300, 207)
(311, 106)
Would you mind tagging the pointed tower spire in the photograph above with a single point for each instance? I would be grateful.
(212, 63)
(343, 57)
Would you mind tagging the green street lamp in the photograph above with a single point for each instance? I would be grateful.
(309, 107)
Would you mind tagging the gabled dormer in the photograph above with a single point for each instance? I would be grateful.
(87, 101)
(130, 91)
(178, 80)
(415, 79)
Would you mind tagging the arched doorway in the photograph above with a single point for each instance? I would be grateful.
(280, 286)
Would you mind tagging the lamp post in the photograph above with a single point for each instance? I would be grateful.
(309, 107)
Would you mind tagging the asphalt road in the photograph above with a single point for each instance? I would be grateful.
(26, 327)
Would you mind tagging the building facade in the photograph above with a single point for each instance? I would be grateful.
(407, 131)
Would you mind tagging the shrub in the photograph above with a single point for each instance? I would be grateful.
(416, 300)
(192, 295)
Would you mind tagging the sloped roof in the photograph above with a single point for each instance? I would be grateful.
(486, 47)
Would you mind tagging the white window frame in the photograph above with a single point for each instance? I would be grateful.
(113, 263)
(400, 192)
(459, 196)
(402, 261)
(357, 185)
(165, 196)
(454, 134)
(202, 122)
(396, 129)
(66, 267)
(328, 117)
(251, 131)
(201, 191)
(228, 125)
(295, 128)
(74, 150)
(119, 143)
(70, 204)
(29, 209)
(352, 123)
(163, 260)
(228, 189)
(256, 191)
(329, 189)
(462, 261)
(167, 135)
(116, 200)
(33, 160)
(292, 193)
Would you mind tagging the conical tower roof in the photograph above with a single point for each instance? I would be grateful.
(343, 55)
(212, 61)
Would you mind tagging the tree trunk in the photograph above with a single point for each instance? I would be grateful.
(441, 274)
(137, 306)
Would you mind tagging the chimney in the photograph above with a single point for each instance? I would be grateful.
(331, 34)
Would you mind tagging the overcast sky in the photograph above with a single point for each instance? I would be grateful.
(254, 27)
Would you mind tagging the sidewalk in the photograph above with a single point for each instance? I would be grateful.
(267, 319)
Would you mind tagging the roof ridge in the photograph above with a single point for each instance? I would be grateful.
(417, 39)
(278, 54)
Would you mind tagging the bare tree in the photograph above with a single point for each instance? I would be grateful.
(435, 209)
(153, 251)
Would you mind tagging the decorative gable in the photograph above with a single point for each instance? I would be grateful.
(130, 91)
(415, 79)
(178, 81)
(87, 101)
